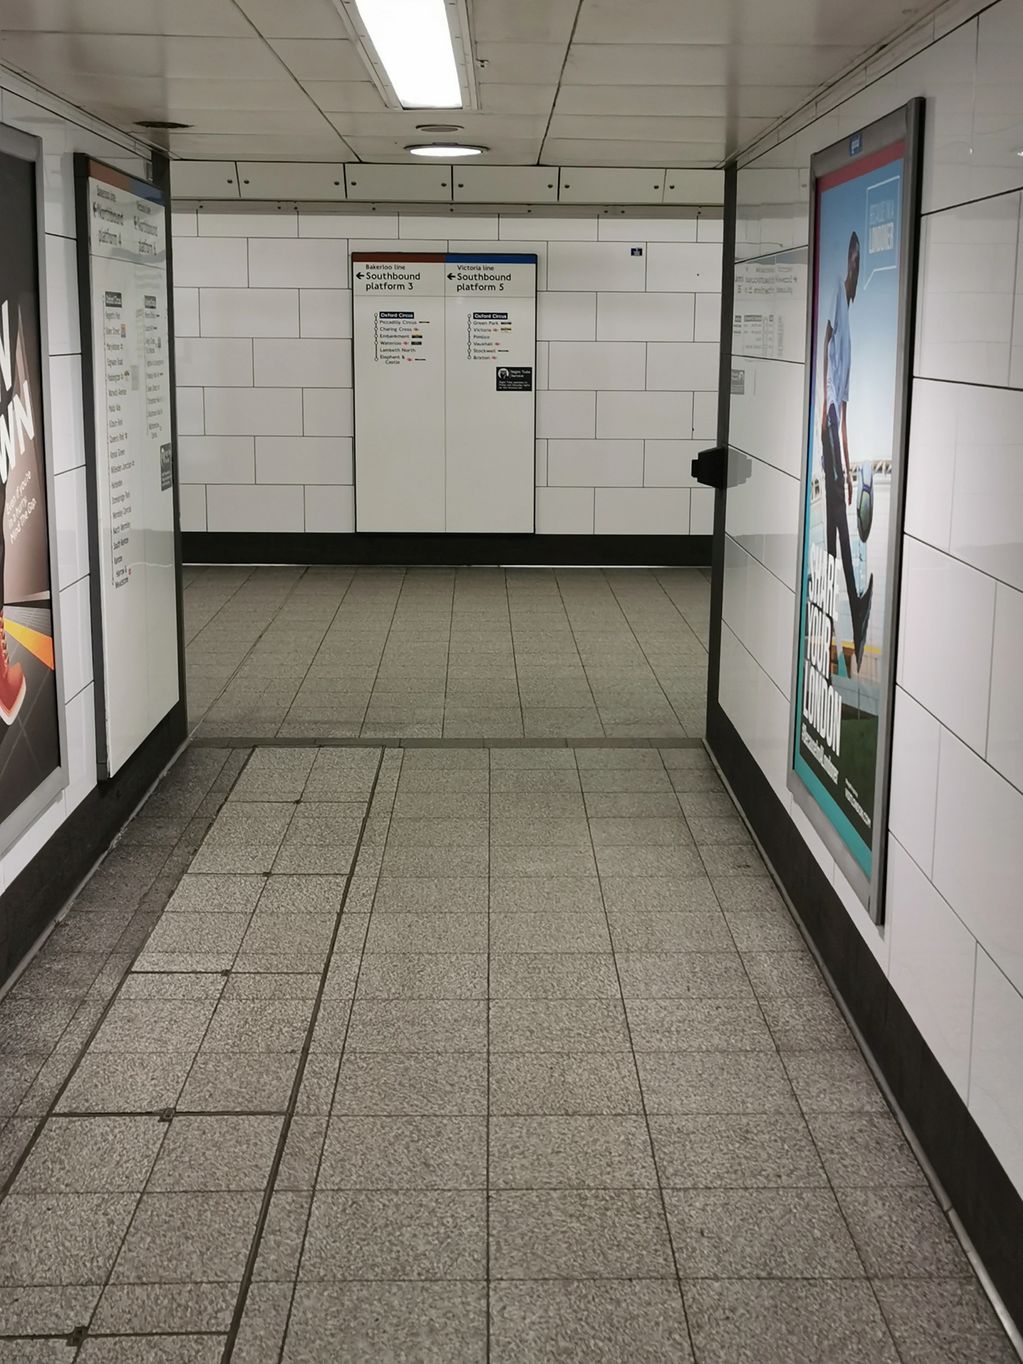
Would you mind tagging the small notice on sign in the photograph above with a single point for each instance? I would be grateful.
(166, 468)
(515, 378)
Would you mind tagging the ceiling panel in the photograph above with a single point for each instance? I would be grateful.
(320, 60)
(158, 97)
(525, 21)
(652, 129)
(476, 127)
(633, 64)
(800, 22)
(340, 97)
(518, 99)
(293, 18)
(702, 101)
(520, 63)
(196, 17)
(326, 146)
(49, 56)
(582, 152)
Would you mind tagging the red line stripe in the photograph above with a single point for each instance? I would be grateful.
(365, 257)
(863, 166)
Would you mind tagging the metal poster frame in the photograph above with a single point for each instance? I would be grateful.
(905, 126)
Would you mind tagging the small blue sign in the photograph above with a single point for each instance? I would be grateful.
(855, 144)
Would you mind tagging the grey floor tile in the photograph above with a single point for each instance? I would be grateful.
(642, 931)
(61, 1239)
(903, 1234)
(45, 1310)
(632, 805)
(714, 1082)
(543, 862)
(550, 933)
(639, 832)
(280, 1244)
(414, 1082)
(740, 1151)
(760, 1233)
(207, 934)
(242, 1081)
(435, 862)
(808, 1023)
(91, 1155)
(652, 894)
(428, 1323)
(404, 1153)
(784, 973)
(864, 1150)
(526, 1083)
(422, 895)
(423, 975)
(126, 1082)
(569, 1322)
(563, 1152)
(285, 942)
(553, 1025)
(545, 895)
(158, 1308)
(682, 975)
(785, 1321)
(188, 1238)
(153, 1026)
(410, 1234)
(714, 1025)
(764, 930)
(418, 1025)
(834, 1082)
(943, 1321)
(406, 833)
(190, 1349)
(215, 894)
(254, 1025)
(445, 933)
(302, 895)
(553, 975)
(578, 1234)
(216, 1154)
(649, 861)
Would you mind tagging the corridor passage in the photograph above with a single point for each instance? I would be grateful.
(443, 1050)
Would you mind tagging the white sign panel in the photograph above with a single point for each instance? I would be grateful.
(133, 461)
(769, 308)
(444, 395)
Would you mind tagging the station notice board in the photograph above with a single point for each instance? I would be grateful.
(126, 360)
(445, 404)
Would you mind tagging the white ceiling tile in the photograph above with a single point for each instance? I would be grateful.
(343, 97)
(520, 63)
(702, 101)
(294, 18)
(517, 99)
(695, 187)
(259, 146)
(655, 129)
(160, 97)
(759, 21)
(320, 59)
(523, 21)
(198, 17)
(47, 56)
(400, 126)
(675, 64)
(587, 152)
(198, 179)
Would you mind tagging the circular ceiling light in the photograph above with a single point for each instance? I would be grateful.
(446, 151)
(438, 127)
(164, 124)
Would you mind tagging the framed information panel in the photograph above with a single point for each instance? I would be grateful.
(864, 212)
(32, 747)
(445, 415)
(122, 256)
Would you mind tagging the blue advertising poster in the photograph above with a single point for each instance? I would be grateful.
(843, 658)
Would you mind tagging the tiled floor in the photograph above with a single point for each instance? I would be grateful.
(453, 1054)
(478, 652)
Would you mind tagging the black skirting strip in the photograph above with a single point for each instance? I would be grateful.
(372, 547)
(34, 898)
(980, 1191)
(241, 741)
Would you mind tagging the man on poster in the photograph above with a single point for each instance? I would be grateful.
(16, 422)
(838, 484)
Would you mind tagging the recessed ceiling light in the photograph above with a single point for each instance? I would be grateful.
(1019, 151)
(447, 151)
(438, 127)
(413, 41)
(166, 124)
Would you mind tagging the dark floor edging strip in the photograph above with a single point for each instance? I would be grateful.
(386, 549)
(398, 742)
(983, 1197)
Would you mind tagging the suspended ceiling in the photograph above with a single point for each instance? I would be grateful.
(561, 82)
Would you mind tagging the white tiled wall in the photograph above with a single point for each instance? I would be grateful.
(626, 370)
(61, 138)
(953, 941)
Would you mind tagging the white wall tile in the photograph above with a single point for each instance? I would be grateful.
(705, 416)
(688, 268)
(931, 964)
(248, 312)
(761, 612)
(183, 223)
(708, 318)
(645, 317)
(541, 463)
(67, 432)
(80, 731)
(537, 228)
(595, 463)
(75, 637)
(952, 682)
(325, 312)
(710, 229)
(641, 511)
(186, 312)
(597, 365)
(253, 411)
(566, 415)
(348, 225)
(566, 317)
(330, 509)
(445, 225)
(72, 525)
(303, 459)
(281, 223)
(930, 470)
(766, 419)
(216, 459)
(654, 416)
(223, 362)
(914, 785)
(189, 403)
(261, 507)
(996, 1095)
(193, 506)
(301, 264)
(1005, 723)
(315, 364)
(542, 368)
(987, 520)
(762, 513)
(701, 511)
(978, 853)
(625, 229)
(682, 366)
(219, 262)
(564, 511)
(327, 412)
(595, 265)
(668, 463)
(63, 337)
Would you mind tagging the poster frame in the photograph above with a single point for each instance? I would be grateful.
(903, 124)
(15, 142)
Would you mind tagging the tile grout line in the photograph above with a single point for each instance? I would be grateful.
(639, 646)
(275, 1166)
(635, 1067)
(582, 661)
(326, 632)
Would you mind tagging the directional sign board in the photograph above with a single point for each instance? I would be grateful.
(445, 350)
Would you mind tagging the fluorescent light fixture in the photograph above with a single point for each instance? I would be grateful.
(446, 151)
(413, 42)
